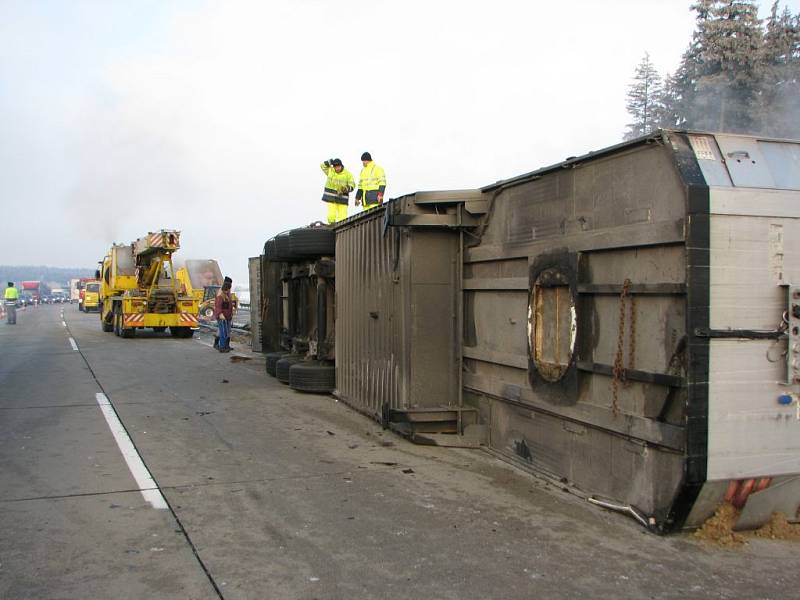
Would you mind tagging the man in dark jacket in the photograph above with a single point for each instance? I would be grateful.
(223, 313)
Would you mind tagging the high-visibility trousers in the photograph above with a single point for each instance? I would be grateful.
(336, 212)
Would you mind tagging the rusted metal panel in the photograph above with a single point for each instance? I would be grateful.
(254, 268)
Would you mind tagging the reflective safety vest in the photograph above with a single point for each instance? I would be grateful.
(338, 185)
(371, 181)
(12, 293)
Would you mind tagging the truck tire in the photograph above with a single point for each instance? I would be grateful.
(115, 321)
(283, 365)
(270, 251)
(272, 359)
(283, 250)
(313, 376)
(106, 326)
(307, 242)
(126, 332)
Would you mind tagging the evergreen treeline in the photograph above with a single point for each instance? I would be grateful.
(40, 273)
(739, 74)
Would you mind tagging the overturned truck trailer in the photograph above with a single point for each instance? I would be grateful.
(626, 321)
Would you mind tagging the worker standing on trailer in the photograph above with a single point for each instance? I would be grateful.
(11, 297)
(371, 183)
(223, 313)
(338, 186)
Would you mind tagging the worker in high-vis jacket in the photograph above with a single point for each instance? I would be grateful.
(338, 186)
(11, 297)
(371, 183)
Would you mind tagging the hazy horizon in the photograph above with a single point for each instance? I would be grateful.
(212, 118)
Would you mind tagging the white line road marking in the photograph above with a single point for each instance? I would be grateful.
(64, 323)
(73, 344)
(144, 480)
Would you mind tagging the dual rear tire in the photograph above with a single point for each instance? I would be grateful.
(312, 376)
(117, 324)
(283, 365)
(272, 359)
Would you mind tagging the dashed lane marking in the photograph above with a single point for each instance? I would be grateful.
(147, 486)
(73, 344)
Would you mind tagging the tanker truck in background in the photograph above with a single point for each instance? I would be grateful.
(139, 288)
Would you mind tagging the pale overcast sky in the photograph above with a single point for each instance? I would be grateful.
(125, 116)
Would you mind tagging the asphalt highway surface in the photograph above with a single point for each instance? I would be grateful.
(156, 467)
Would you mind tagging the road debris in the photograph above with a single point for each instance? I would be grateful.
(718, 529)
(779, 528)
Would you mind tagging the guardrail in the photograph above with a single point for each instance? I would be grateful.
(214, 327)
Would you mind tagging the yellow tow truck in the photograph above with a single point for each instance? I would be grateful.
(139, 288)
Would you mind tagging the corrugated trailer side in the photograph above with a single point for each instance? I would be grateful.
(398, 311)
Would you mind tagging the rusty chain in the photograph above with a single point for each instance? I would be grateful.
(632, 338)
(619, 370)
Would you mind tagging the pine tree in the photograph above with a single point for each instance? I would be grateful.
(728, 87)
(735, 76)
(679, 92)
(680, 88)
(644, 99)
(779, 101)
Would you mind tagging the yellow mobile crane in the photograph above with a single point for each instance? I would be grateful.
(138, 288)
